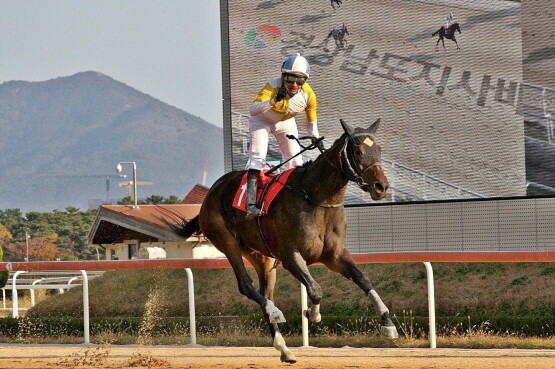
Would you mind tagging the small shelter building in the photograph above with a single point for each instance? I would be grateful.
(127, 233)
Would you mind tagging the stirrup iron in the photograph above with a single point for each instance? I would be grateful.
(253, 212)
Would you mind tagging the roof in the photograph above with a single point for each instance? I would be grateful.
(116, 223)
(196, 195)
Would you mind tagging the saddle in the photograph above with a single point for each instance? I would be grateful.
(447, 30)
(269, 186)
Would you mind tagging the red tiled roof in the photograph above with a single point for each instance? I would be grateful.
(196, 195)
(155, 214)
(115, 223)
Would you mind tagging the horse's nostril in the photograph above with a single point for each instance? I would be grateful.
(379, 187)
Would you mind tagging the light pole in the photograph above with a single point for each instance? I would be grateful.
(119, 169)
(27, 245)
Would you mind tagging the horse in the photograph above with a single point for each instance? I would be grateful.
(450, 35)
(339, 36)
(306, 224)
(338, 2)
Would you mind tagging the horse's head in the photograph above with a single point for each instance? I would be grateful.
(455, 27)
(364, 155)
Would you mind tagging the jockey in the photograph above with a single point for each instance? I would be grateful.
(273, 111)
(448, 21)
(342, 28)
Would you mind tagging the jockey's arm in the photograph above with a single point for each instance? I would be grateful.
(263, 101)
(311, 116)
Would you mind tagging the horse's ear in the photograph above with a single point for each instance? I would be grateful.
(347, 128)
(374, 127)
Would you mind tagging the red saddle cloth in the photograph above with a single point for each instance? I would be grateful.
(277, 183)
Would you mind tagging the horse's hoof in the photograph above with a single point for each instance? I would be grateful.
(288, 357)
(277, 317)
(314, 319)
(389, 332)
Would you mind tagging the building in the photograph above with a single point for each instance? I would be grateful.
(123, 231)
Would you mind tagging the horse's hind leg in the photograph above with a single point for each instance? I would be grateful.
(266, 271)
(296, 265)
(345, 265)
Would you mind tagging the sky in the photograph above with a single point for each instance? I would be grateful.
(168, 49)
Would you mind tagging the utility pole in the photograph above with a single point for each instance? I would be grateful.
(27, 245)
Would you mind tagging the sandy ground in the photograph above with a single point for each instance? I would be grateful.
(79, 356)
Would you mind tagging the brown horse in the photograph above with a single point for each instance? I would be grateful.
(305, 225)
(449, 34)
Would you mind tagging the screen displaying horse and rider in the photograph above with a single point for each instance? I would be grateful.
(462, 90)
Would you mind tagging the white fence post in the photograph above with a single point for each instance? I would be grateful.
(86, 327)
(304, 319)
(15, 302)
(431, 304)
(192, 319)
(33, 292)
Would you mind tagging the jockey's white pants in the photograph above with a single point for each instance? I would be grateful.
(259, 133)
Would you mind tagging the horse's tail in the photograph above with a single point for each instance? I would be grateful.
(186, 228)
(329, 34)
(436, 32)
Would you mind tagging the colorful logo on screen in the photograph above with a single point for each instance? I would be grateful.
(262, 36)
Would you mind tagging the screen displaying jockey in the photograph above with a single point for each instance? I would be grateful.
(273, 112)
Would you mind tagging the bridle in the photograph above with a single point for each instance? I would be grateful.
(347, 165)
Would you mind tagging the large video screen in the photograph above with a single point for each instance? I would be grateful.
(468, 119)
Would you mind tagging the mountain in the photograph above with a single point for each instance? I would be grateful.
(61, 138)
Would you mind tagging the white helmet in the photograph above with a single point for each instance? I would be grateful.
(296, 65)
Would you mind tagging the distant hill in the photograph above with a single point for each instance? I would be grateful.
(60, 139)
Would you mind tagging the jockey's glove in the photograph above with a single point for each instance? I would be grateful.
(318, 144)
(281, 93)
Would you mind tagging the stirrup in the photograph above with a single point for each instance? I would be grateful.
(253, 212)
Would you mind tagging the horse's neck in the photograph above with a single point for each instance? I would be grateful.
(323, 179)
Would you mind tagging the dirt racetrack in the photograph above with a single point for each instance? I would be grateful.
(78, 356)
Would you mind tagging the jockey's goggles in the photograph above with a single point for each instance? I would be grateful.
(289, 78)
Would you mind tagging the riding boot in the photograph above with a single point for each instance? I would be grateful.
(252, 186)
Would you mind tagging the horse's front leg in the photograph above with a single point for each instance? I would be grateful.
(456, 43)
(266, 271)
(296, 265)
(272, 314)
(345, 265)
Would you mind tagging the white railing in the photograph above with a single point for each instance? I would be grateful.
(64, 280)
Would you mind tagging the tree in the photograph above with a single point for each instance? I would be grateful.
(40, 249)
(151, 200)
(5, 235)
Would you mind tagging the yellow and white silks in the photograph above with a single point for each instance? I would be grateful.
(267, 117)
